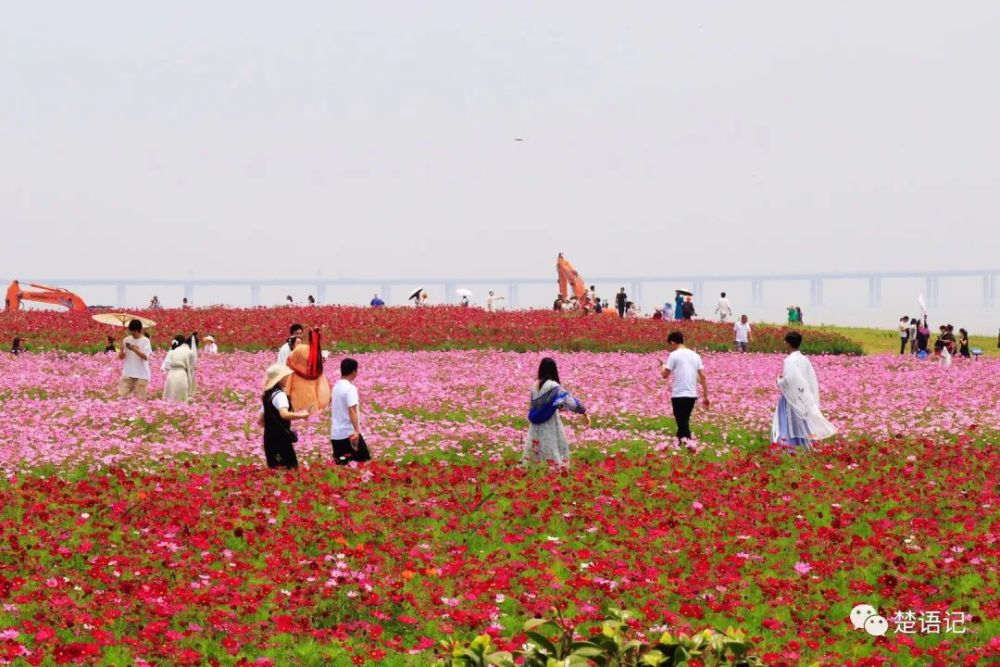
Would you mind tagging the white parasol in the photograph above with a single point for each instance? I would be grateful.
(122, 319)
(461, 291)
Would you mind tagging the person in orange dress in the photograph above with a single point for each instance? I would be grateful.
(308, 387)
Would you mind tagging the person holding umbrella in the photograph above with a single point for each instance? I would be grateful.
(418, 297)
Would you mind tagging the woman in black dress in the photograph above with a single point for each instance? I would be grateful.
(276, 416)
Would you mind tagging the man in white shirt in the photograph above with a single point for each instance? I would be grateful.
(293, 331)
(742, 330)
(491, 301)
(345, 418)
(688, 372)
(135, 352)
(723, 309)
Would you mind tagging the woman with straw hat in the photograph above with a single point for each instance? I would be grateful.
(276, 417)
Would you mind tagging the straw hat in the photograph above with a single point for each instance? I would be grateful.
(274, 374)
(211, 338)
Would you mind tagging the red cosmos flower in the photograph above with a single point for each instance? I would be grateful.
(404, 328)
(692, 611)
(75, 652)
(283, 623)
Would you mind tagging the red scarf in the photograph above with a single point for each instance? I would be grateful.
(314, 362)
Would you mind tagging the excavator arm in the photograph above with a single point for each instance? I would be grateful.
(569, 279)
(56, 296)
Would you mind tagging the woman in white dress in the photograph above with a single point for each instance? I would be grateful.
(546, 439)
(179, 366)
(798, 421)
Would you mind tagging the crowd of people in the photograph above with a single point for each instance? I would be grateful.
(178, 364)
(915, 335)
(296, 388)
(797, 424)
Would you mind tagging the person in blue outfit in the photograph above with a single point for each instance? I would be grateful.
(679, 306)
(546, 439)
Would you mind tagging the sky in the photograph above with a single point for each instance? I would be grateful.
(380, 139)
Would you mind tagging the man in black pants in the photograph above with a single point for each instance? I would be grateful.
(621, 300)
(688, 371)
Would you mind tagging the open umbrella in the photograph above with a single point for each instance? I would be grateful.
(684, 292)
(416, 294)
(461, 291)
(122, 319)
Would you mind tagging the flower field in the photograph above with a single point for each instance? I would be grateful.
(434, 328)
(151, 533)
(58, 410)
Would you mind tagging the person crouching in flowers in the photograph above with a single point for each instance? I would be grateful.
(546, 440)
(276, 416)
(798, 421)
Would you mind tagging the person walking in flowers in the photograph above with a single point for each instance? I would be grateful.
(798, 422)
(276, 416)
(546, 439)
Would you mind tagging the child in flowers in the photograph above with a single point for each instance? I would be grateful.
(546, 440)
(276, 417)
(798, 421)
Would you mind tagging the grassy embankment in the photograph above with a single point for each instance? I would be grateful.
(878, 341)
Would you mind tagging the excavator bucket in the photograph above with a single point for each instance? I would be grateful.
(569, 279)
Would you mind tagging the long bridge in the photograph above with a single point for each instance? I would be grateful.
(696, 282)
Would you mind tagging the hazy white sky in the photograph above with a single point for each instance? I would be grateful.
(378, 138)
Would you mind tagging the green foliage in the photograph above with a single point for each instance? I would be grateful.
(554, 642)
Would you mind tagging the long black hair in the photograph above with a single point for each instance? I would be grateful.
(547, 370)
(177, 341)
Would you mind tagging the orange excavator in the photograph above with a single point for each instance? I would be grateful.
(569, 278)
(42, 294)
